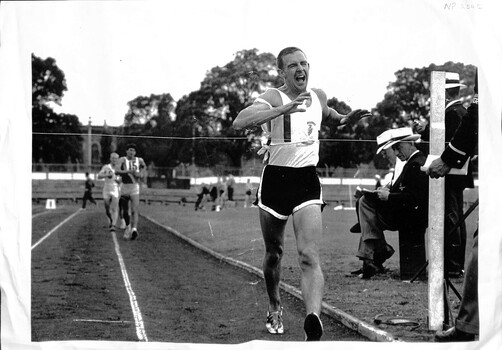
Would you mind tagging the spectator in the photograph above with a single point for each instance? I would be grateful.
(402, 204)
(230, 187)
(202, 197)
(249, 190)
(89, 184)
(222, 193)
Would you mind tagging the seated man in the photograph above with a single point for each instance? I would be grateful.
(403, 203)
(202, 197)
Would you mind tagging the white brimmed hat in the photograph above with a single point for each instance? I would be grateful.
(393, 136)
(452, 80)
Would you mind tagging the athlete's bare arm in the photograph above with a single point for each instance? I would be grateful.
(103, 173)
(328, 112)
(142, 169)
(267, 107)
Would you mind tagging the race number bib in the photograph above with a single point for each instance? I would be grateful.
(132, 165)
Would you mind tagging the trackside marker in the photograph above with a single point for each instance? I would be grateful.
(54, 229)
(138, 319)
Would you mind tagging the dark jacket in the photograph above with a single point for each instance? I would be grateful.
(409, 194)
(465, 141)
(453, 117)
(454, 113)
(89, 184)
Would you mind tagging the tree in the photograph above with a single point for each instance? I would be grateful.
(408, 98)
(48, 81)
(153, 109)
(151, 117)
(48, 86)
(55, 148)
(224, 92)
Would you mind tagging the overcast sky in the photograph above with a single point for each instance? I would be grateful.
(114, 51)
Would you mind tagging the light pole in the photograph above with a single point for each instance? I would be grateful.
(89, 140)
(193, 149)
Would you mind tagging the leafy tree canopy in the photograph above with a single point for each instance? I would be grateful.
(48, 86)
(153, 109)
(408, 97)
(48, 81)
(224, 92)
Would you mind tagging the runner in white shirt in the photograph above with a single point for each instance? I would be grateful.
(292, 115)
(111, 192)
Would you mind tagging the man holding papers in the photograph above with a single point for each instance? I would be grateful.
(398, 206)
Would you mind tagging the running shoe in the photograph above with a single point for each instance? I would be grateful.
(127, 232)
(274, 322)
(313, 327)
(134, 234)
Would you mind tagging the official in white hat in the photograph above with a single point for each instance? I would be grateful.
(402, 205)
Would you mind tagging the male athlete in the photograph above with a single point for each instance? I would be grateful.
(132, 170)
(111, 191)
(292, 115)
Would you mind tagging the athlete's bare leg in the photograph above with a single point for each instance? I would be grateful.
(114, 210)
(134, 211)
(307, 224)
(107, 202)
(273, 236)
(124, 208)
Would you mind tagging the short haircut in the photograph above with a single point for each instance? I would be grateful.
(131, 145)
(284, 52)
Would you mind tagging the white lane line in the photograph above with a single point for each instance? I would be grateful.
(40, 214)
(54, 229)
(99, 321)
(138, 319)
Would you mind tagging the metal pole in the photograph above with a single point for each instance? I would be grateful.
(89, 144)
(193, 152)
(436, 206)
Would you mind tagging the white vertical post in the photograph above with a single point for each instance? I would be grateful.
(436, 206)
(89, 144)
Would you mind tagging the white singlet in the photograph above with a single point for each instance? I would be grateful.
(111, 187)
(295, 137)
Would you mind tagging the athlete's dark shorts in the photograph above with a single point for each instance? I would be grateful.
(285, 190)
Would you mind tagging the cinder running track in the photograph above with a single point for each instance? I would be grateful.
(88, 285)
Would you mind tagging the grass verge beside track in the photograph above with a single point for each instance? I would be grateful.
(235, 233)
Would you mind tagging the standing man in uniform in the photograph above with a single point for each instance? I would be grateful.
(292, 115)
(111, 191)
(132, 170)
(454, 184)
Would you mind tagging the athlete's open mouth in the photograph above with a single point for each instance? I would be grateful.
(300, 78)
